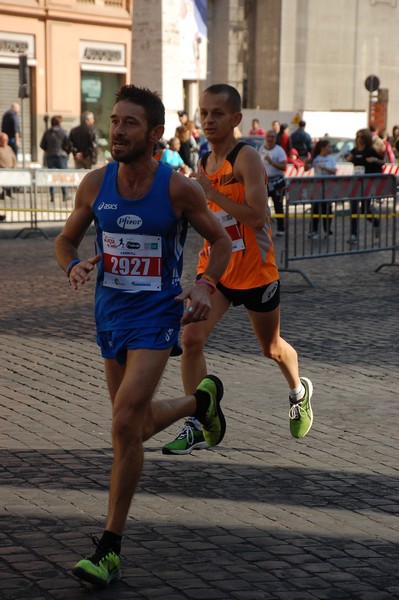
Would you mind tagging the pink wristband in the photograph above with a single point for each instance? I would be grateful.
(207, 282)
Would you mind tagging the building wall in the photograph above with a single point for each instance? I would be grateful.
(264, 53)
(147, 40)
(295, 55)
(282, 55)
(329, 48)
(157, 62)
(227, 39)
(60, 32)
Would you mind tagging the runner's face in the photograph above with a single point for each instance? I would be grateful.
(217, 119)
(128, 132)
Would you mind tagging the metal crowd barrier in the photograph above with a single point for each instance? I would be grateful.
(17, 197)
(370, 200)
(30, 197)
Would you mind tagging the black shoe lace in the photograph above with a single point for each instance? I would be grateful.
(101, 551)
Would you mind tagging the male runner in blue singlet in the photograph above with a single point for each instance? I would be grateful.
(141, 210)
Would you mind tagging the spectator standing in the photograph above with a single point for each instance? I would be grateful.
(188, 147)
(193, 130)
(301, 141)
(365, 160)
(274, 159)
(159, 147)
(171, 157)
(10, 126)
(8, 160)
(393, 140)
(283, 139)
(55, 144)
(377, 142)
(183, 117)
(324, 165)
(256, 129)
(83, 142)
(276, 126)
(389, 155)
(184, 120)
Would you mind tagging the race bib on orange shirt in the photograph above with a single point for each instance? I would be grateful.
(132, 262)
(230, 225)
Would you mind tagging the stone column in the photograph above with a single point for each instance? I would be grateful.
(156, 54)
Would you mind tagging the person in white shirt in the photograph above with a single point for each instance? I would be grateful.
(324, 165)
(275, 161)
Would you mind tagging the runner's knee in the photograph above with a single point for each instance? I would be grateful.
(193, 339)
(127, 425)
(272, 350)
(279, 351)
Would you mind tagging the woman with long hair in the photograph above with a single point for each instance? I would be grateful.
(324, 165)
(366, 161)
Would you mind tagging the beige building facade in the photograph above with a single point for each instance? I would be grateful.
(284, 56)
(78, 53)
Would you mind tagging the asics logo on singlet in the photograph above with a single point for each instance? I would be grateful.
(104, 206)
(129, 221)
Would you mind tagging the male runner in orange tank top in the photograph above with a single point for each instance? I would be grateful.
(233, 178)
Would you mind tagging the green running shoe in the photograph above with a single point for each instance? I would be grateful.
(213, 424)
(188, 438)
(100, 569)
(301, 414)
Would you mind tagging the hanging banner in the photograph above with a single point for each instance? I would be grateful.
(193, 39)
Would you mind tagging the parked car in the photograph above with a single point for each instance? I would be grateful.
(341, 147)
(254, 140)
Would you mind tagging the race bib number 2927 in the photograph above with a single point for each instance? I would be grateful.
(132, 262)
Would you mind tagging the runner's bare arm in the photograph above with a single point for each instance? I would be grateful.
(78, 222)
(188, 199)
(248, 169)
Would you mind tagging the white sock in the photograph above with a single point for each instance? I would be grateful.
(194, 422)
(298, 393)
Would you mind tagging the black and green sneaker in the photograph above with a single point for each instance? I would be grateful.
(213, 423)
(100, 569)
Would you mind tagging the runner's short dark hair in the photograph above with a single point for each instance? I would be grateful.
(150, 101)
(233, 97)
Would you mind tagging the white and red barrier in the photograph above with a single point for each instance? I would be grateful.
(344, 168)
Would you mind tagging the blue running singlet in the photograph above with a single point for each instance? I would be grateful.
(141, 242)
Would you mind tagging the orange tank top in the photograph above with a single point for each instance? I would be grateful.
(252, 263)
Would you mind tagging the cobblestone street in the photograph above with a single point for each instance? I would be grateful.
(263, 516)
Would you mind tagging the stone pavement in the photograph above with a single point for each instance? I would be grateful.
(263, 516)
